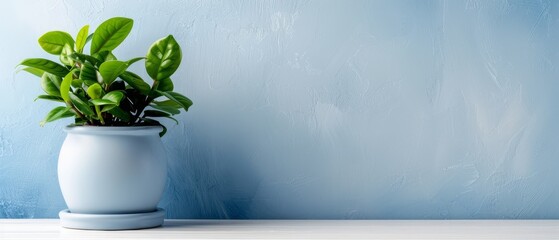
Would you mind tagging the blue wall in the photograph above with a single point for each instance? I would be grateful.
(320, 109)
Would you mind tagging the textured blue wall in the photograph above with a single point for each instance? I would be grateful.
(320, 109)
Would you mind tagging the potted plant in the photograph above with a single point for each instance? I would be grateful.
(112, 165)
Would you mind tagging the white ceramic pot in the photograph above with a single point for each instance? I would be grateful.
(112, 170)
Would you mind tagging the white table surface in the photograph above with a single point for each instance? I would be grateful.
(296, 229)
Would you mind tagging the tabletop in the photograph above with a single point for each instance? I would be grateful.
(295, 229)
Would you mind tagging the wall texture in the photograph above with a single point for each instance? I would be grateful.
(320, 109)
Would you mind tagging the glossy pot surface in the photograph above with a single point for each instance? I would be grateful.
(111, 170)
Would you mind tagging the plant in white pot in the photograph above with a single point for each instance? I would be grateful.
(112, 165)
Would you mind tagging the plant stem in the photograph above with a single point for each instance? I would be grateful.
(80, 115)
(147, 101)
(98, 111)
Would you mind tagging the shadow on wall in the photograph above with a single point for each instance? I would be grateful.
(205, 173)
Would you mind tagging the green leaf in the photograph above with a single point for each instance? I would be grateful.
(65, 87)
(104, 56)
(81, 38)
(170, 110)
(57, 113)
(165, 85)
(84, 57)
(107, 107)
(77, 83)
(35, 71)
(136, 82)
(89, 82)
(50, 98)
(155, 113)
(101, 102)
(65, 55)
(80, 104)
(95, 91)
(167, 106)
(110, 34)
(53, 42)
(121, 114)
(78, 122)
(89, 38)
(168, 103)
(80, 92)
(51, 84)
(183, 101)
(163, 58)
(110, 70)
(46, 65)
(88, 72)
(114, 96)
(162, 133)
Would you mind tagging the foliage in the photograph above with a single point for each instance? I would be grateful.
(96, 88)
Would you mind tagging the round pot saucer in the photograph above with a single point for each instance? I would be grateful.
(111, 221)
